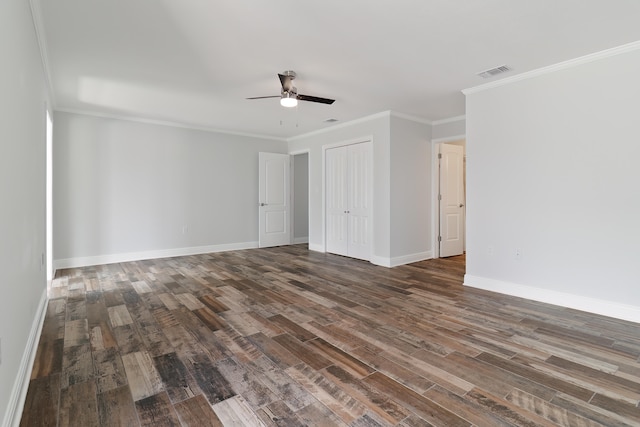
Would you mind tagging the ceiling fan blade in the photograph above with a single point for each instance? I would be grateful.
(315, 99)
(264, 97)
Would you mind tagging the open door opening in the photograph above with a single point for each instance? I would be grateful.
(300, 196)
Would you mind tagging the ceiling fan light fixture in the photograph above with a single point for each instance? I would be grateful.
(289, 99)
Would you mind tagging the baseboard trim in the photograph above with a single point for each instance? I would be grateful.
(138, 256)
(300, 240)
(578, 302)
(21, 385)
(408, 259)
(400, 260)
(316, 248)
(381, 261)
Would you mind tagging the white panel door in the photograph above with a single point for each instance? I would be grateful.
(451, 200)
(274, 207)
(336, 202)
(359, 204)
(348, 200)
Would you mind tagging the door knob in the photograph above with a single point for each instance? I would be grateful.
(461, 205)
(263, 204)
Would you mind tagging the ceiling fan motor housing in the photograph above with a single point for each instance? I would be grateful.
(291, 93)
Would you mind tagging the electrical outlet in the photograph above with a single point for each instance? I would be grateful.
(518, 254)
(490, 250)
(185, 229)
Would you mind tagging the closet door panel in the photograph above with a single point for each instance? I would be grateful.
(359, 200)
(336, 201)
(348, 200)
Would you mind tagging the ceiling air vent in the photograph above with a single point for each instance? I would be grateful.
(494, 71)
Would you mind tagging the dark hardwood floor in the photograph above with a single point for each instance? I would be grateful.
(288, 337)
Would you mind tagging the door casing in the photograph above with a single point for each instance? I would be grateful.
(435, 188)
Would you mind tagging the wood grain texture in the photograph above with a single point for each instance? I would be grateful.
(157, 410)
(288, 337)
(144, 380)
(236, 412)
(77, 365)
(116, 408)
(109, 370)
(76, 332)
(42, 402)
(177, 381)
(48, 358)
(79, 405)
(196, 411)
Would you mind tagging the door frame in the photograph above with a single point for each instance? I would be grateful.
(435, 190)
(48, 255)
(292, 187)
(324, 187)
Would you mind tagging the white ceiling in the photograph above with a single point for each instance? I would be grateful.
(194, 62)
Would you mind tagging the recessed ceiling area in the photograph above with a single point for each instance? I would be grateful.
(194, 62)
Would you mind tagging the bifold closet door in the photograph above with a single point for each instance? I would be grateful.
(336, 202)
(359, 203)
(348, 204)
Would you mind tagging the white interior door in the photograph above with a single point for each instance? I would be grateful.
(451, 200)
(336, 202)
(274, 204)
(348, 200)
(359, 204)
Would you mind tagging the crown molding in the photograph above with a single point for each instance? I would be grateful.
(411, 118)
(341, 125)
(38, 26)
(165, 123)
(449, 120)
(629, 47)
(364, 119)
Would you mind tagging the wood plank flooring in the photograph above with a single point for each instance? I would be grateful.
(288, 337)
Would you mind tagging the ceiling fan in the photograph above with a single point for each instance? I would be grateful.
(289, 95)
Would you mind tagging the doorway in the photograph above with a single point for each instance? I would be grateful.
(451, 200)
(283, 193)
(300, 196)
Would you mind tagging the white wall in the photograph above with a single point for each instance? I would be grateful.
(126, 190)
(552, 167)
(301, 198)
(448, 128)
(411, 210)
(22, 192)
